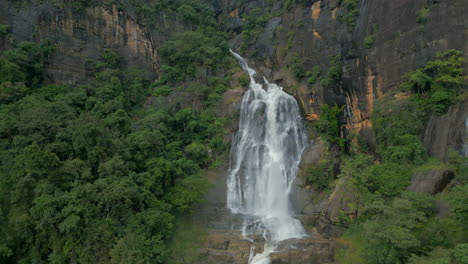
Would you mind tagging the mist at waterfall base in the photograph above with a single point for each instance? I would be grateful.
(264, 160)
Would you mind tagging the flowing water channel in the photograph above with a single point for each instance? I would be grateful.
(264, 160)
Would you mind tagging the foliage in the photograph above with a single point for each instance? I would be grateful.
(193, 54)
(461, 253)
(329, 125)
(357, 167)
(334, 73)
(195, 12)
(351, 246)
(388, 179)
(369, 41)
(78, 5)
(4, 30)
(254, 23)
(164, 90)
(20, 66)
(436, 85)
(407, 149)
(244, 80)
(459, 164)
(459, 202)
(422, 15)
(321, 175)
(412, 233)
(352, 12)
(393, 119)
(88, 174)
(403, 216)
(296, 64)
(313, 75)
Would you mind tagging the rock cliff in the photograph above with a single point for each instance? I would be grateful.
(387, 39)
(315, 31)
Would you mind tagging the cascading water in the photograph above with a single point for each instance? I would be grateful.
(265, 155)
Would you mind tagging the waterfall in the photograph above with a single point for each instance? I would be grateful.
(264, 159)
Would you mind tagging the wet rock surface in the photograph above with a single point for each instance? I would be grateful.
(314, 32)
(225, 242)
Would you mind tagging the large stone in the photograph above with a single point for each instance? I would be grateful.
(447, 131)
(431, 182)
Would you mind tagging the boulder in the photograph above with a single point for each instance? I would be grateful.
(447, 131)
(431, 182)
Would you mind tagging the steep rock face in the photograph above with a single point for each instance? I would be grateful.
(401, 44)
(430, 182)
(82, 36)
(446, 132)
(314, 32)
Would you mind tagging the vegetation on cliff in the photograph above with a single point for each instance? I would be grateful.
(414, 232)
(89, 175)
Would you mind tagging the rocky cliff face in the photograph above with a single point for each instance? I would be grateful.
(82, 35)
(315, 31)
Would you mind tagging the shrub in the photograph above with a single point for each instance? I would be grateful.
(321, 174)
(162, 91)
(329, 125)
(313, 75)
(393, 118)
(436, 85)
(369, 41)
(255, 21)
(391, 228)
(296, 64)
(194, 53)
(198, 153)
(461, 253)
(389, 179)
(3, 30)
(244, 80)
(422, 15)
(352, 12)
(334, 73)
(408, 149)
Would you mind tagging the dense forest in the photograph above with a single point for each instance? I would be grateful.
(394, 225)
(90, 175)
(95, 173)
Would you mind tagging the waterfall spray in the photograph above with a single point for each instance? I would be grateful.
(265, 156)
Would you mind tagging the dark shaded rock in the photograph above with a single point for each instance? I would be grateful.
(431, 182)
(315, 249)
(340, 208)
(82, 36)
(447, 131)
(265, 46)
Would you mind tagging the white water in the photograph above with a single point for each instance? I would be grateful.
(265, 155)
